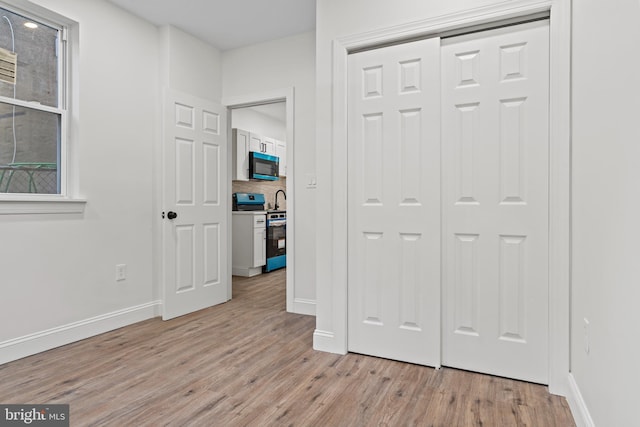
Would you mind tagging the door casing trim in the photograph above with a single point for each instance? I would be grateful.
(332, 302)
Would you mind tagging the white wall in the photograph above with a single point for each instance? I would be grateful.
(276, 65)
(257, 122)
(190, 65)
(60, 269)
(606, 207)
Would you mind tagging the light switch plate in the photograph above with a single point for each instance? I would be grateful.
(311, 180)
(121, 272)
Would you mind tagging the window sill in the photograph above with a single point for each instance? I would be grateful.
(49, 205)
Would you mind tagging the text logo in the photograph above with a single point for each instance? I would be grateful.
(34, 415)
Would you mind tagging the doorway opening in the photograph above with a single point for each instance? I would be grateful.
(267, 126)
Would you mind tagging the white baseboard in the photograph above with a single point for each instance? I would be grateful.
(28, 345)
(304, 306)
(246, 271)
(579, 409)
(326, 341)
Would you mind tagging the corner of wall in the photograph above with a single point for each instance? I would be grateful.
(164, 36)
(181, 51)
(578, 406)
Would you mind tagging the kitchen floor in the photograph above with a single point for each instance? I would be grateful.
(263, 288)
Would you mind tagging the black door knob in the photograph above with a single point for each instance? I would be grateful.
(172, 215)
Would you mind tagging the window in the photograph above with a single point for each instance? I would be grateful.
(32, 105)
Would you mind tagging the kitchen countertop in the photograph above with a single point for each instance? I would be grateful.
(249, 212)
(258, 212)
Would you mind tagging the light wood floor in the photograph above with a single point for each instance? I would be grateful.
(249, 363)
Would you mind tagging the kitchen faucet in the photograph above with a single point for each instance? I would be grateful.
(285, 197)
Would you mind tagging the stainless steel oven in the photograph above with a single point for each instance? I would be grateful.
(276, 240)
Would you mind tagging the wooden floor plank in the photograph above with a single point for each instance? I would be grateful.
(249, 363)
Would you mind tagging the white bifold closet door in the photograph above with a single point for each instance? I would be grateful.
(394, 202)
(495, 142)
(448, 202)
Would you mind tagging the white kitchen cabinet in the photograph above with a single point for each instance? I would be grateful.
(249, 251)
(259, 246)
(256, 142)
(269, 146)
(262, 144)
(240, 167)
(281, 152)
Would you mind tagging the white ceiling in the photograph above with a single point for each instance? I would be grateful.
(276, 110)
(228, 24)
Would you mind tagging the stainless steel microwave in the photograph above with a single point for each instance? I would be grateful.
(263, 166)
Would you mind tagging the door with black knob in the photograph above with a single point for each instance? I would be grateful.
(194, 240)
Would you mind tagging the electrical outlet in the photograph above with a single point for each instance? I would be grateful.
(587, 347)
(121, 272)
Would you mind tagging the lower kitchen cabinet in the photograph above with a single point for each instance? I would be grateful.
(249, 243)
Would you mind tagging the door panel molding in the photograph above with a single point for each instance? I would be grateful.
(394, 144)
(495, 281)
(331, 330)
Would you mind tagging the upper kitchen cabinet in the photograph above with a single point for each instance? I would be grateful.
(256, 142)
(240, 167)
(269, 146)
(262, 144)
(281, 152)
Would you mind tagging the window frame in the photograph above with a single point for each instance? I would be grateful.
(67, 200)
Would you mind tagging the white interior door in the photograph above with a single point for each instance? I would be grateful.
(195, 173)
(495, 142)
(394, 210)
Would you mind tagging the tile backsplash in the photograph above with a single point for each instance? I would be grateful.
(268, 188)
